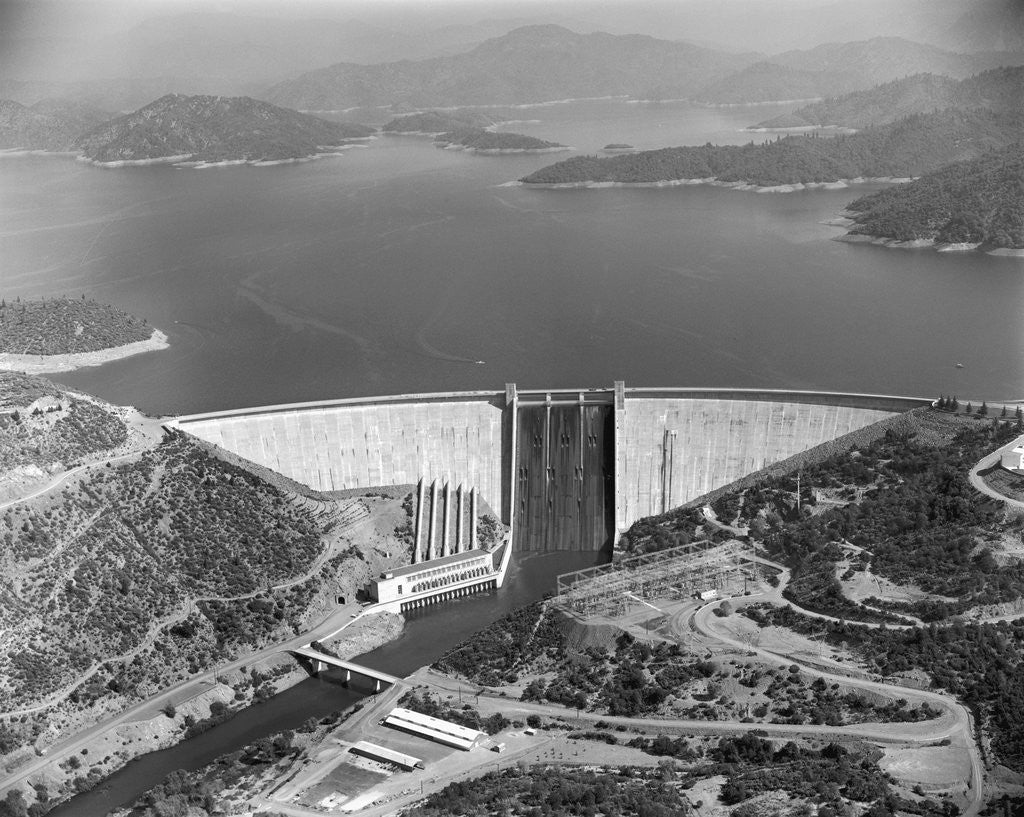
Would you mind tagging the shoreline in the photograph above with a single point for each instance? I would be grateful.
(711, 181)
(48, 364)
(500, 151)
(924, 244)
(185, 160)
(839, 129)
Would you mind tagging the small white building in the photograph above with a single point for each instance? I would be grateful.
(1013, 459)
(384, 755)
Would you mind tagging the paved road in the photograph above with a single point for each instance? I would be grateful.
(987, 462)
(962, 726)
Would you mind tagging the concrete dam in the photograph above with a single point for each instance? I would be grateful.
(566, 469)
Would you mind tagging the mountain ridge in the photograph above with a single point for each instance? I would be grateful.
(530, 64)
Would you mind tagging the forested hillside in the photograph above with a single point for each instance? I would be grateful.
(910, 147)
(1001, 89)
(66, 326)
(980, 201)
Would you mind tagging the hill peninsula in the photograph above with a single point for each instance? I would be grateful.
(213, 129)
(970, 205)
(907, 148)
(62, 334)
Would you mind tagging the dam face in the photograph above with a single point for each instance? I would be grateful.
(565, 474)
(567, 470)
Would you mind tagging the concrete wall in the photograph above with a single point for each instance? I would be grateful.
(672, 447)
(363, 443)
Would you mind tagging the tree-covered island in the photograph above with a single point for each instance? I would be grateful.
(60, 326)
(478, 140)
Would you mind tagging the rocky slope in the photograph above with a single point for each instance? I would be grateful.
(214, 128)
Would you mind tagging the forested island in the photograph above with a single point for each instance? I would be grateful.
(477, 140)
(907, 148)
(975, 204)
(437, 122)
(213, 129)
(61, 326)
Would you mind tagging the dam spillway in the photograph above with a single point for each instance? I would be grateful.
(567, 469)
(564, 476)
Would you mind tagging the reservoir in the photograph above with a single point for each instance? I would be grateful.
(428, 633)
(399, 267)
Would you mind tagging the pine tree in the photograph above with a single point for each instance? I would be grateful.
(983, 409)
(969, 409)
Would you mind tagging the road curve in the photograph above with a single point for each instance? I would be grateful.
(963, 722)
(987, 462)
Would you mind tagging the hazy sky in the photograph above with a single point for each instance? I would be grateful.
(86, 39)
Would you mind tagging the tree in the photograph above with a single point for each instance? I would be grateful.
(969, 409)
(983, 409)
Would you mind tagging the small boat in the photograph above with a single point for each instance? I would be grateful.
(480, 363)
(959, 365)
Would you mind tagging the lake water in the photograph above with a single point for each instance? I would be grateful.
(398, 265)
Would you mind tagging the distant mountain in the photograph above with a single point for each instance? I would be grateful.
(988, 25)
(910, 147)
(999, 89)
(529, 64)
(980, 201)
(51, 124)
(213, 128)
(434, 122)
(840, 68)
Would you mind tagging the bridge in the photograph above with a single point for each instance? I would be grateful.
(322, 661)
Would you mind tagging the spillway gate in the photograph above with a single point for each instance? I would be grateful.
(564, 495)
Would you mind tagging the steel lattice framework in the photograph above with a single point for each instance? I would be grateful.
(676, 572)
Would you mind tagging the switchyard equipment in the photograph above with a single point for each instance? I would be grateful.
(679, 572)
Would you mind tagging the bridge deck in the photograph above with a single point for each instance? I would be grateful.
(308, 652)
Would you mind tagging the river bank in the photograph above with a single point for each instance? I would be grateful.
(172, 721)
(48, 364)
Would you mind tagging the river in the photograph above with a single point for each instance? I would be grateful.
(428, 633)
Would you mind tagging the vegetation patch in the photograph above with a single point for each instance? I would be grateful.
(66, 326)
